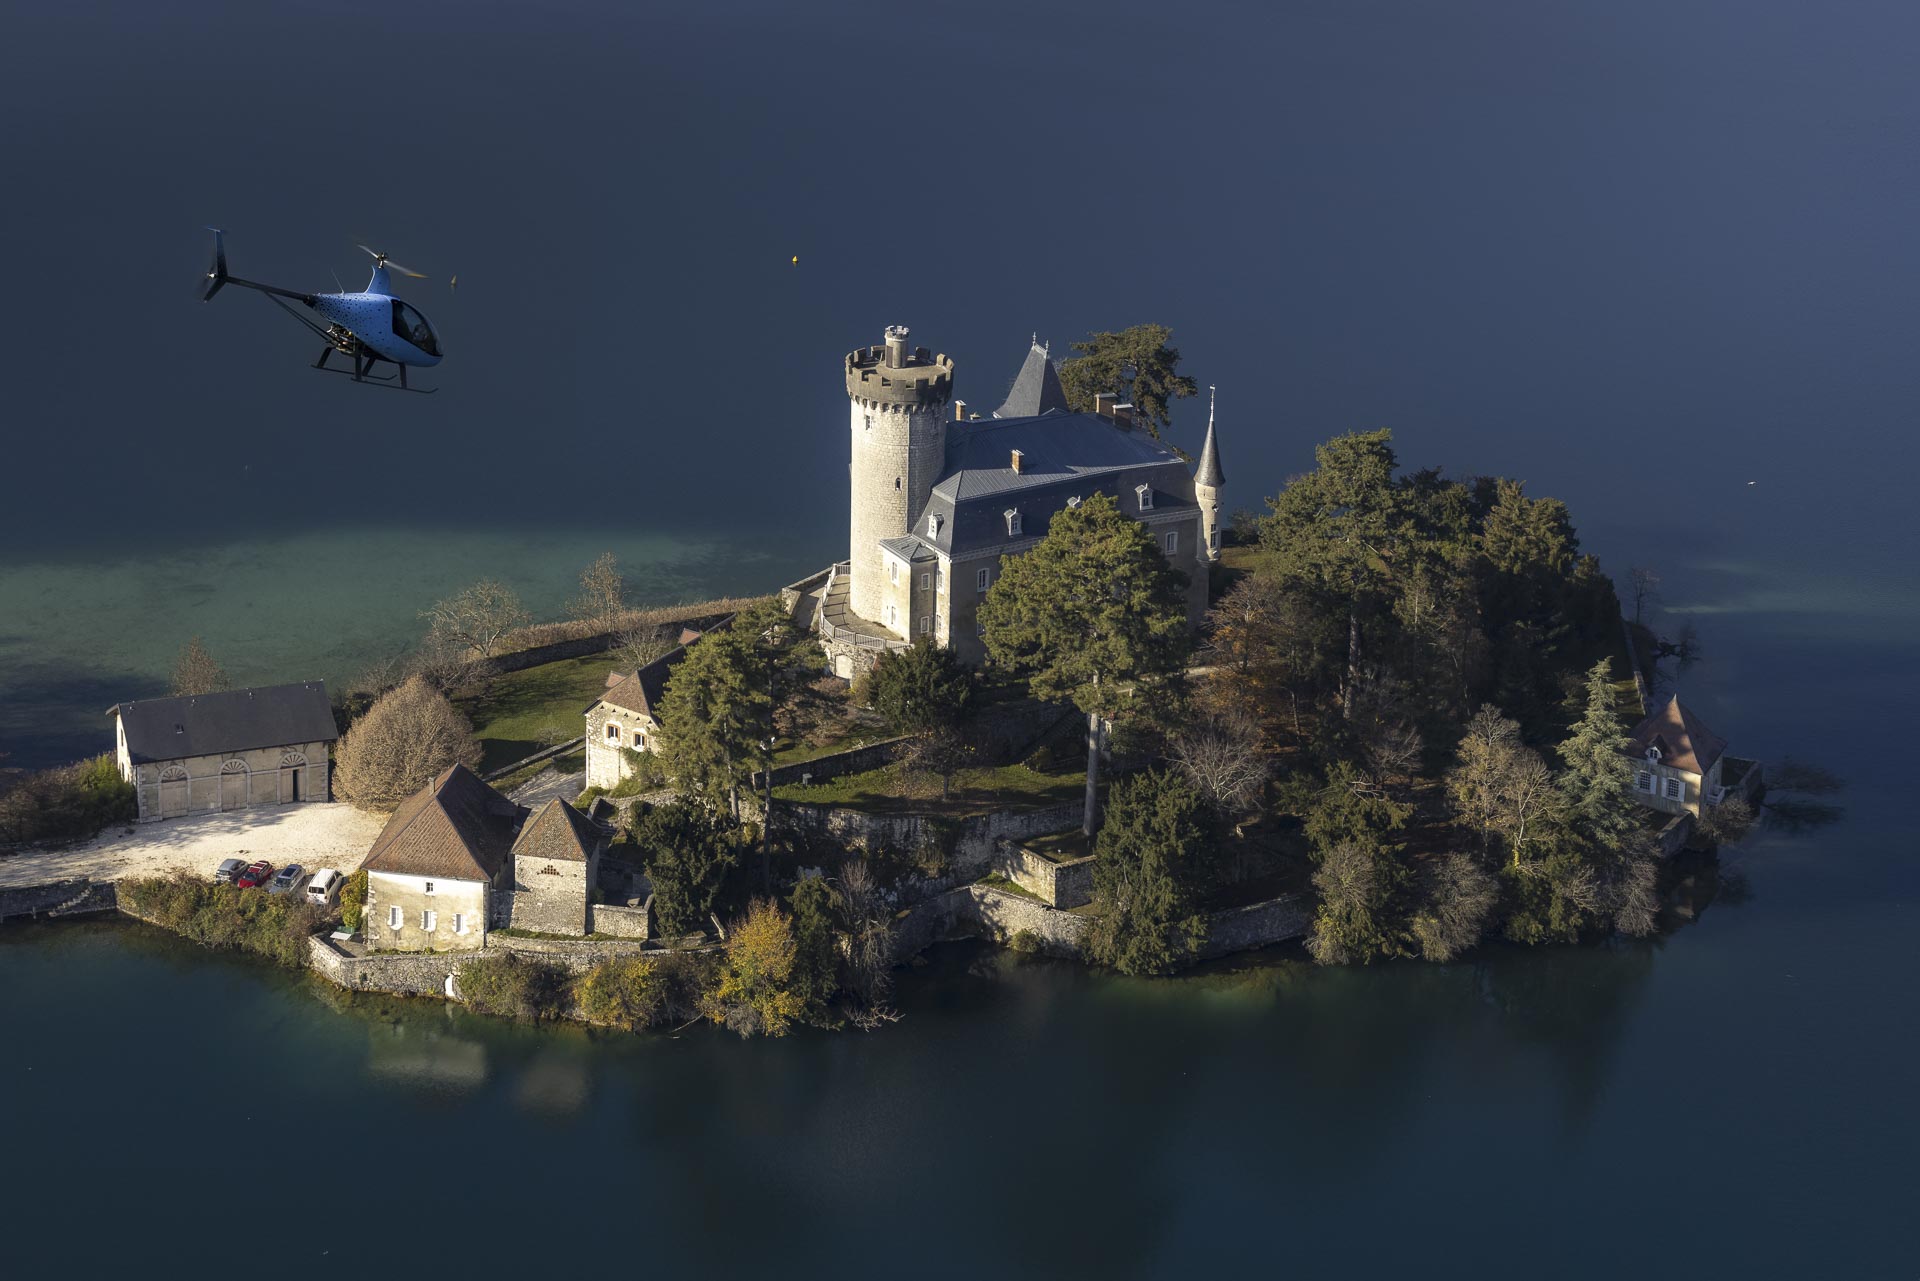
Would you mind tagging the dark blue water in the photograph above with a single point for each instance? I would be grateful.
(1639, 254)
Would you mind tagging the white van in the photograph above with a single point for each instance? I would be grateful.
(324, 889)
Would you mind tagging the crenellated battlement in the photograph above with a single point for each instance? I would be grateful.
(885, 377)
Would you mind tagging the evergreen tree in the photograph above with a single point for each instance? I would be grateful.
(920, 689)
(817, 915)
(1140, 365)
(688, 848)
(1152, 871)
(1597, 780)
(1092, 608)
(1360, 916)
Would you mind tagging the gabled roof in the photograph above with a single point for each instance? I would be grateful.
(557, 832)
(641, 691)
(1684, 742)
(1036, 389)
(456, 828)
(235, 720)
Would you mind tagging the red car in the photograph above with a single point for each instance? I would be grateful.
(256, 875)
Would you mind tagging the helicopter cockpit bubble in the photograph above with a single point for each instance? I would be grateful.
(410, 325)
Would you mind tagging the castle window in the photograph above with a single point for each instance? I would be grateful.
(933, 524)
(427, 920)
(981, 579)
(926, 582)
(869, 422)
(393, 918)
(640, 739)
(459, 923)
(926, 624)
(1172, 541)
(1644, 781)
(893, 573)
(1676, 790)
(613, 732)
(896, 482)
(1146, 496)
(1013, 521)
(1213, 541)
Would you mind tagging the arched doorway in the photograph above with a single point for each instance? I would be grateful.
(234, 792)
(173, 792)
(293, 777)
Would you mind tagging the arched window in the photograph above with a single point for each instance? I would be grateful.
(234, 767)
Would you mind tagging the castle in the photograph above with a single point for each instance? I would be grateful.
(938, 496)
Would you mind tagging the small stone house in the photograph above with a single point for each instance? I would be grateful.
(439, 869)
(556, 863)
(627, 716)
(1677, 760)
(238, 749)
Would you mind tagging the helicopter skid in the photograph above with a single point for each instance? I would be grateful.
(387, 381)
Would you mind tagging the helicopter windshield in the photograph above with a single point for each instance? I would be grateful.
(410, 325)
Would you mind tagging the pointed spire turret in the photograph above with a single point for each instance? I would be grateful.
(1209, 472)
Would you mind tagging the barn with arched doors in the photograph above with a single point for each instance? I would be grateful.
(235, 750)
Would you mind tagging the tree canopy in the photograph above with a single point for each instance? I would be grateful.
(920, 689)
(1152, 871)
(196, 672)
(687, 848)
(398, 746)
(1140, 364)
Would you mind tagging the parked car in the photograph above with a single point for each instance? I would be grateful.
(229, 871)
(286, 879)
(255, 875)
(324, 889)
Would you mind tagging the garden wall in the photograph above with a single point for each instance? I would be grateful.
(966, 844)
(1241, 929)
(59, 898)
(1066, 884)
(981, 911)
(620, 922)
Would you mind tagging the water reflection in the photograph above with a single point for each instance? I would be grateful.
(426, 1054)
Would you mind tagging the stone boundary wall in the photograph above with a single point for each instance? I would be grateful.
(559, 651)
(981, 911)
(1068, 884)
(969, 844)
(1242, 929)
(58, 898)
(855, 760)
(588, 952)
(621, 922)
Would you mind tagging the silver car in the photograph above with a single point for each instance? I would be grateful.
(286, 880)
(229, 870)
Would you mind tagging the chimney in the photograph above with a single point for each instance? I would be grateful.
(1018, 458)
(1123, 415)
(959, 411)
(897, 346)
(1103, 403)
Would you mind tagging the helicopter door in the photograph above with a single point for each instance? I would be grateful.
(411, 326)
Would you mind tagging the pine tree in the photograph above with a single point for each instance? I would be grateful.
(1092, 608)
(1152, 871)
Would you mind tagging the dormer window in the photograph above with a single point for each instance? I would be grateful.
(933, 524)
(1653, 754)
(1145, 493)
(1073, 502)
(1013, 521)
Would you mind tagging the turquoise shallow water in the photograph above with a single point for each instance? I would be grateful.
(79, 633)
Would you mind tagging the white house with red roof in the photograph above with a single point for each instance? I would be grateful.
(1679, 762)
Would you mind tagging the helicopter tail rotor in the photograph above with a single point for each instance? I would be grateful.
(216, 273)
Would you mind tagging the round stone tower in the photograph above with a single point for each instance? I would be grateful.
(899, 397)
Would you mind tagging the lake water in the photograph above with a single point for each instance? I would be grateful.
(1655, 258)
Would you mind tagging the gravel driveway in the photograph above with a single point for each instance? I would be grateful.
(313, 835)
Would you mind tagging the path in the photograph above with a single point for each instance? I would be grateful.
(548, 784)
(313, 835)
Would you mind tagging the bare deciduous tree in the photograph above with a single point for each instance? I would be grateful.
(196, 672)
(602, 599)
(1500, 786)
(400, 744)
(642, 643)
(1643, 586)
(469, 625)
(1459, 899)
(869, 948)
(1220, 752)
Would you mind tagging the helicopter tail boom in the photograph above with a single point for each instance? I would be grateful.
(217, 273)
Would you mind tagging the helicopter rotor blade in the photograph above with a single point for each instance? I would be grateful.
(406, 271)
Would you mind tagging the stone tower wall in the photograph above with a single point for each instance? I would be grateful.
(1209, 499)
(898, 424)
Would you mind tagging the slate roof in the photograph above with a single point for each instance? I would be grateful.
(1684, 742)
(1036, 389)
(455, 828)
(909, 548)
(558, 833)
(1208, 472)
(236, 720)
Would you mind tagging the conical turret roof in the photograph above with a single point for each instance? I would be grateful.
(1209, 472)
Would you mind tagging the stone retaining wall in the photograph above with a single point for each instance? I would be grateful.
(965, 846)
(1068, 884)
(982, 911)
(588, 952)
(855, 760)
(1241, 929)
(620, 922)
(58, 898)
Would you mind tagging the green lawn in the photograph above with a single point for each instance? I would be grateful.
(1061, 847)
(892, 790)
(515, 714)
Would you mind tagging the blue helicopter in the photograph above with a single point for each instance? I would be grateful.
(367, 327)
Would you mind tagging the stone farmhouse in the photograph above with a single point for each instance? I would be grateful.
(939, 495)
(458, 858)
(1682, 766)
(238, 749)
(625, 718)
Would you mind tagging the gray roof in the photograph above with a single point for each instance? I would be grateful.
(236, 720)
(911, 547)
(1208, 472)
(1036, 389)
(1063, 456)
